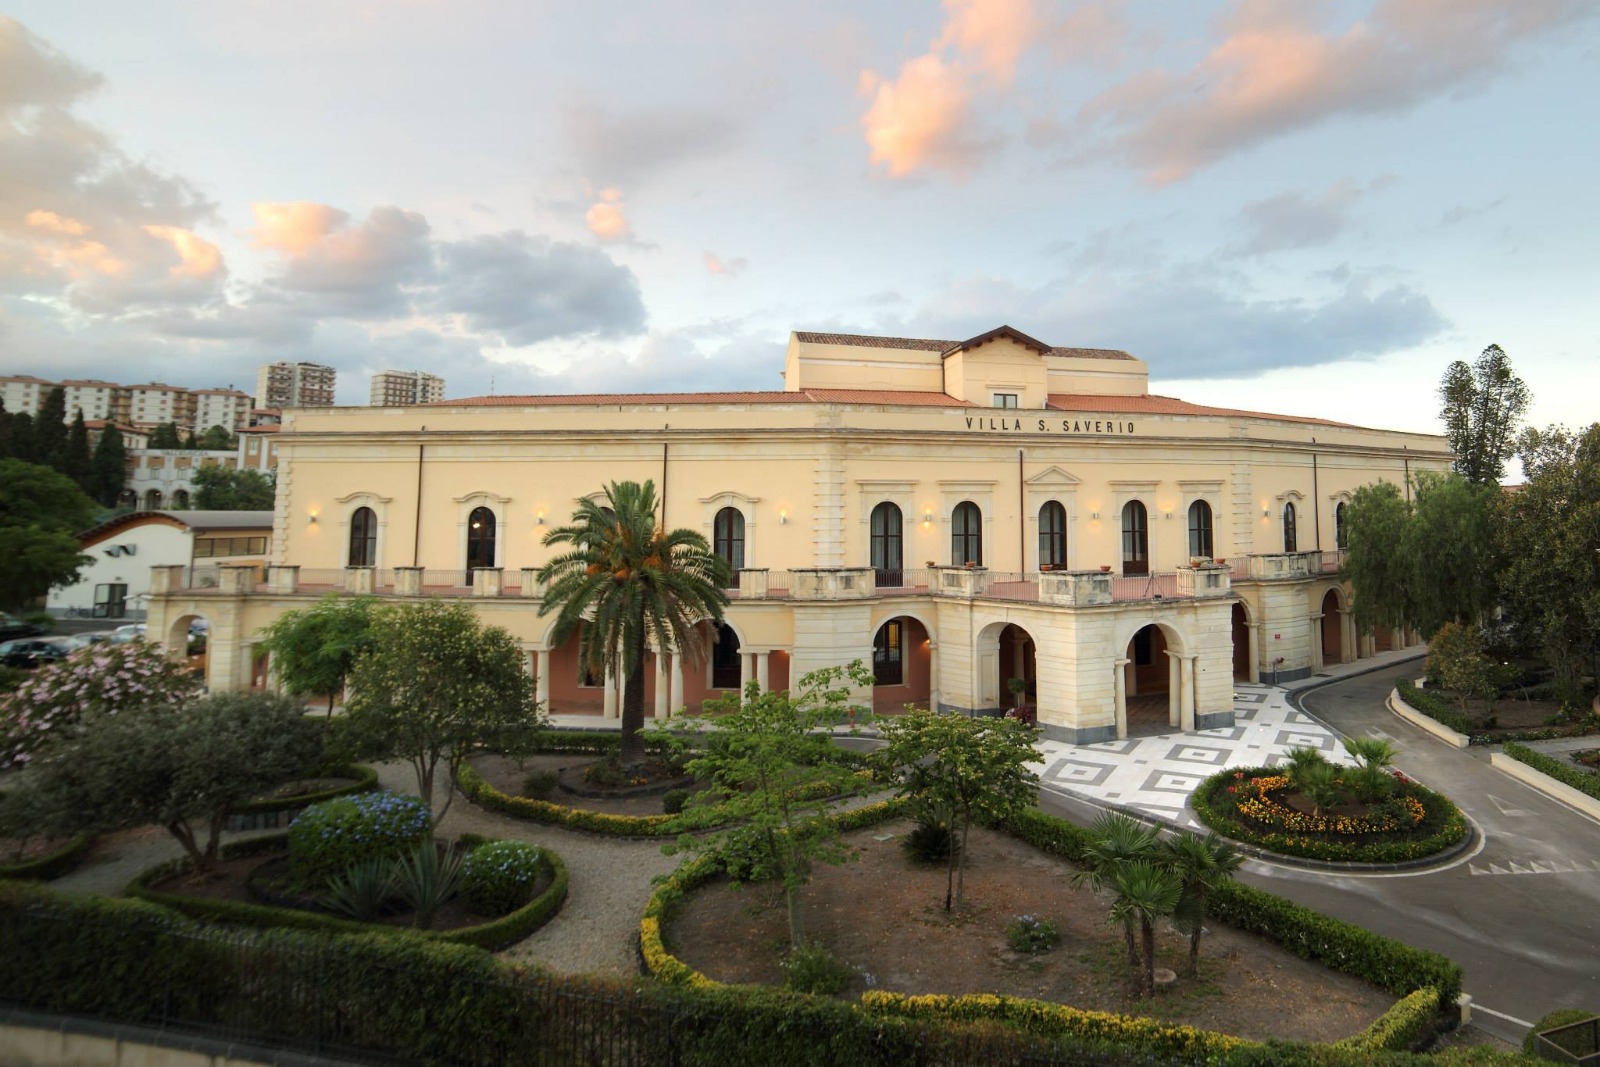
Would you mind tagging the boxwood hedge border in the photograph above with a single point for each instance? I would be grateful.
(493, 934)
(51, 865)
(365, 780)
(1565, 773)
(1444, 826)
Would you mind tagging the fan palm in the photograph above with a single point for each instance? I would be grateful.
(1145, 891)
(1115, 841)
(629, 582)
(1201, 864)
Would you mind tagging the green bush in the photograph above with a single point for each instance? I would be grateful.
(1583, 781)
(365, 781)
(811, 968)
(328, 839)
(1029, 933)
(1442, 825)
(1433, 706)
(1408, 1025)
(1559, 1017)
(539, 784)
(673, 800)
(499, 877)
(362, 892)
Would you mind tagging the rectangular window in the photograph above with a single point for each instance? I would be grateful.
(887, 656)
(110, 601)
(205, 547)
(1005, 400)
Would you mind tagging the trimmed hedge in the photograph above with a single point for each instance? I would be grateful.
(52, 865)
(365, 780)
(1442, 825)
(1388, 964)
(493, 934)
(1407, 1026)
(1434, 707)
(1565, 773)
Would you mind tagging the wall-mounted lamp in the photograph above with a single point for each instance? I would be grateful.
(1169, 514)
(1095, 515)
(927, 518)
(783, 517)
(312, 521)
(540, 521)
(1265, 512)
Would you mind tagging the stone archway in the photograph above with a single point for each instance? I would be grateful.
(902, 661)
(1243, 655)
(1005, 651)
(1154, 680)
(188, 641)
(1333, 628)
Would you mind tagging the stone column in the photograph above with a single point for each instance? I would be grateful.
(408, 581)
(1174, 690)
(933, 675)
(1119, 690)
(762, 669)
(747, 665)
(1255, 652)
(677, 685)
(1188, 686)
(541, 684)
(609, 708)
(663, 684)
(1316, 642)
(1347, 636)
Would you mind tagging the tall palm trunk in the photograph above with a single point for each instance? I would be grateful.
(1194, 935)
(1148, 977)
(631, 755)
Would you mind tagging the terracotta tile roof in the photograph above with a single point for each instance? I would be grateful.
(88, 381)
(1151, 404)
(912, 398)
(25, 378)
(928, 345)
(906, 398)
(264, 427)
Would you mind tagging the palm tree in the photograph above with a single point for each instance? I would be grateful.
(1201, 864)
(630, 582)
(1145, 892)
(1115, 841)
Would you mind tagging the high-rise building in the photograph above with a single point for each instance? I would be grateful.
(294, 385)
(227, 408)
(153, 403)
(96, 399)
(23, 393)
(398, 388)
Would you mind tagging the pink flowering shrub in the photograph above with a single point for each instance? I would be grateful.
(114, 679)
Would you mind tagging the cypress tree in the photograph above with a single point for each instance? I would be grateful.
(191, 443)
(5, 432)
(110, 467)
(165, 436)
(50, 430)
(23, 446)
(76, 462)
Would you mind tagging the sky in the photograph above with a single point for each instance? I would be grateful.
(1299, 206)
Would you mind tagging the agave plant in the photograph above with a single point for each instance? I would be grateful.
(427, 881)
(363, 890)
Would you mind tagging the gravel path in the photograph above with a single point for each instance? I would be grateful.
(594, 933)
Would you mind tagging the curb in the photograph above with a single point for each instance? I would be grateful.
(1425, 722)
(1581, 802)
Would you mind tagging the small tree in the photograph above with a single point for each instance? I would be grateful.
(1455, 656)
(1374, 562)
(1145, 891)
(100, 680)
(433, 683)
(764, 760)
(76, 462)
(1201, 864)
(1115, 842)
(215, 439)
(226, 489)
(182, 768)
(1481, 406)
(314, 649)
(41, 512)
(50, 428)
(959, 767)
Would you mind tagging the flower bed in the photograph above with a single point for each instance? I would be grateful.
(1246, 805)
(492, 934)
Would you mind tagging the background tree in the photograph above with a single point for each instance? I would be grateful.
(1549, 535)
(41, 513)
(1448, 552)
(23, 445)
(165, 436)
(959, 768)
(628, 581)
(182, 768)
(434, 683)
(314, 649)
(764, 761)
(110, 466)
(1375, 561)
(76, 462)
(1481, 406)
(1456, 659)
(225, 489)
(216, 439)
(50, 429)
(191, 441)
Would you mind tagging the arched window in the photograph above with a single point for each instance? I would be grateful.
(727, 538)
(1052, 536)
(888, 657)
(1135, 538)
(888, 557)
(363, 538)
(966, 535)
(726, 669)
(152, 500)
(1288, 528)
(1341, 527)
(480, 538)
(180, 499)
(1200, 530)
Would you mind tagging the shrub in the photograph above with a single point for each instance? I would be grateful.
(930, 842)
(539, 784)
(426, 878)
(1559, 1017)
(328, 839)
(811, 968)
(1029, 933)
(673, 800)
(1583, 781)
(499, 877)
(1434, 707)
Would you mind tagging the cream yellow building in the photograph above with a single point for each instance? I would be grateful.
(988, 522)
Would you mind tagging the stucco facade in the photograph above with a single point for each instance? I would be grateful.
(854, 499)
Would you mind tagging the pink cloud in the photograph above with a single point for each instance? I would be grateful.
(607, 218)
(1273, 73)
(294, 227)
(993, 33)
(198, 259)
(727, 268)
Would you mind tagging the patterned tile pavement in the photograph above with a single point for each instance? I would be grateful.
(1155, 775)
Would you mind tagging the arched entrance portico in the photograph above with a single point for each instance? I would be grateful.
(1155, 681)
(1333, 629)
(1244, 657)
(1006, 651)
(901, 665)
(187, 640)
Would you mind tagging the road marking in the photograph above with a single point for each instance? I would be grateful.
(1512, 812)
(1501, 1015)
(1539, 867)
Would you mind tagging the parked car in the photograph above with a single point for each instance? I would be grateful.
(76, 641)
(31, 652)
(12, 627)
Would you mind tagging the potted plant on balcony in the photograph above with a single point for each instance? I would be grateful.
(1016, 686)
